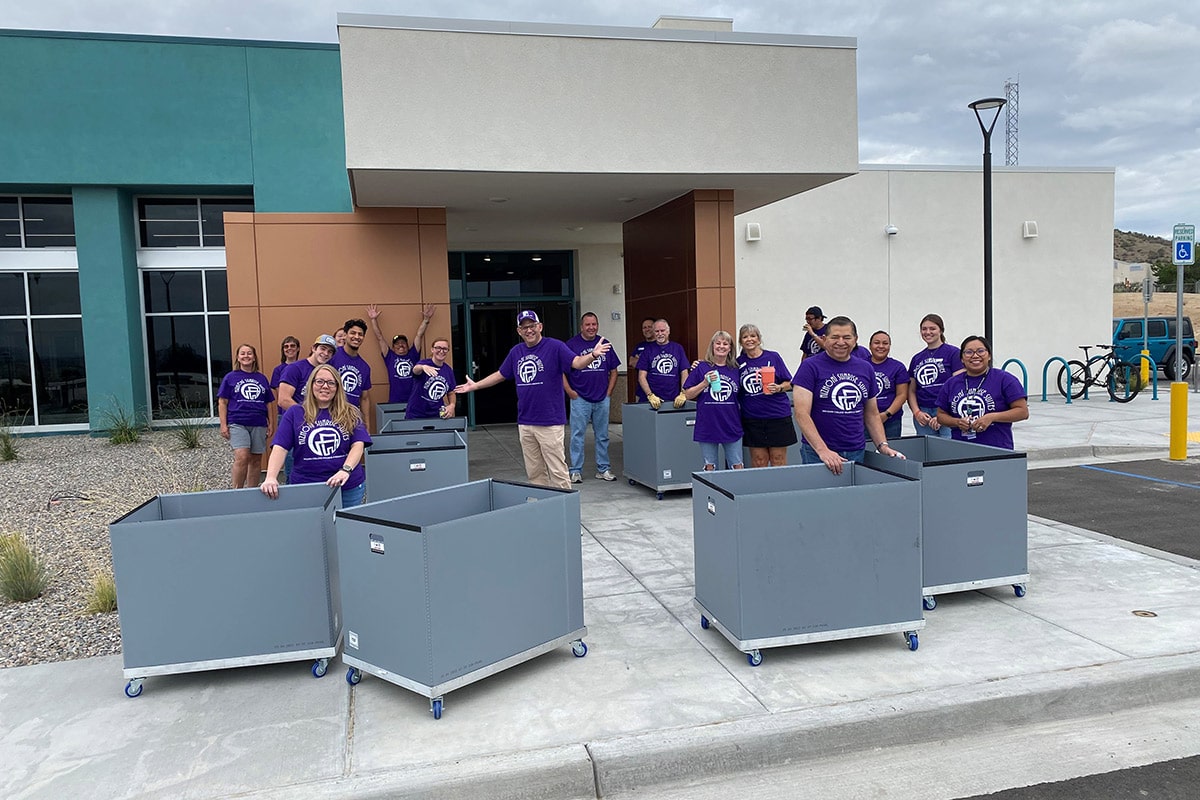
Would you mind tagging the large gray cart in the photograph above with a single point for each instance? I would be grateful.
(416, 461)
(446, 587)
(974, 513)
(794, 555)
(212, 580)
(401, 425)
(385, 412)
(659, 450)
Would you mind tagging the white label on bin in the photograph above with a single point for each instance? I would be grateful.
(352, 639)
(975, 478)
(416, 466)
(666, 473)
(376, 543)
(690, 422)
(712, 507)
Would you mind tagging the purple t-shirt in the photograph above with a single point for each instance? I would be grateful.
(810, 345)
(538, 372)
(860, 352)
(356, 375)
(428, 390)
(400, 377)
(248, 394)
(277, 373)
(931, 369)
(638, 396)
(841, 391)
(888, 375)
(718, 412)
(995, 390)
(755, 404)
(319, 449)
(663, 364)
(591, 382)
(296, 375)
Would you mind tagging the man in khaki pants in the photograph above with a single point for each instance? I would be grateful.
(538, 365)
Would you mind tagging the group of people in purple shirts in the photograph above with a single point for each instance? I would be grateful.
(312, 409)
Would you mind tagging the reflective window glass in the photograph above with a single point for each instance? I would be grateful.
(1157, 328)
(213, 221)
(16, 385)
(49, 221)
(12, 294)
(220, 352)
(61, 375)
(169, 222)
(173, 290)
(10, 222)
(178, 365)
(54, 293)
(218, 289)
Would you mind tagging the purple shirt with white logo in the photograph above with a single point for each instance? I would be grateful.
(639, 396)
(537, 372)
(841, 391)
(400, 377)
(296, 375)
(810, 345)
(591, 382)
(248, 394)
(931, 369)
(356, 375)
(755, 404)
(663, 364)
(996, 390)
(718, 412)
(319, 449)
(425, 402)
(888, 375)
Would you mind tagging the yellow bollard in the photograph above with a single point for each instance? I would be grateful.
(1179, 420)
(1145, 364)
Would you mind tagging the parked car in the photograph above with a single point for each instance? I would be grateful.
(1127, 342)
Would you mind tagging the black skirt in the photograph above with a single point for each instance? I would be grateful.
(777, 432)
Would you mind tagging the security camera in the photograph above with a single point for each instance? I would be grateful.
(891, 230)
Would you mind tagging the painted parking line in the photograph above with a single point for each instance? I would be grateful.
(1143, 477)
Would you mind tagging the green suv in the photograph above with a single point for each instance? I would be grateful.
(1127, 342)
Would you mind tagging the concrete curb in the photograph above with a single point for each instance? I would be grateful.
(1086, 451)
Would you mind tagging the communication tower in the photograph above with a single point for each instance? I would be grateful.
(1012, 97)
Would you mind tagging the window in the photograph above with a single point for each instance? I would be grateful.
(43, 380)
(187, 339)
(1156, 328)
(186, 221)
(36, 222)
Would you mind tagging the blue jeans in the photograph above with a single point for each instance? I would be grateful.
(809, 456)
(892, 427)
(711, 450)
(353, 497)
(925, 430)
(583, 412)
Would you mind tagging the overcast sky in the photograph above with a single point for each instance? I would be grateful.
(1108, 83)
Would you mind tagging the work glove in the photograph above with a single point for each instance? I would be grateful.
(680, 400)
(655, 401)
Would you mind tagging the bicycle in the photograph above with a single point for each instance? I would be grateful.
(1121, 378)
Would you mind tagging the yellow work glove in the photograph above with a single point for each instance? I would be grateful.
(680, 400)
(655, 401)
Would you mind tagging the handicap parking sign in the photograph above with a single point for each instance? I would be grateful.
(1183, 248)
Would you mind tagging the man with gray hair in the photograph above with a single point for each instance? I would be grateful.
(590, 390)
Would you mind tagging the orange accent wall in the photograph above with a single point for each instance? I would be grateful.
(305, 274)
(679, 265)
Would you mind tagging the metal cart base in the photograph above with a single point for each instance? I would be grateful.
(658, 489)
(752, 647)
(1018, 583)
(436, 693)
(320, 665)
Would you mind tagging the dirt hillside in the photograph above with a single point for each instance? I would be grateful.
(1129, 304)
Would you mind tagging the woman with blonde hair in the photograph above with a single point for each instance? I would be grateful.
(768, 430)
(242, 403)
(327, 436)
(714, 387)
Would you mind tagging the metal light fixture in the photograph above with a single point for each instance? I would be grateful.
(992, 106)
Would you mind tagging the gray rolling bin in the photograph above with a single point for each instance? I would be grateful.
(384, 412)
(794, 555)
(401, 425)
(416, 461)
(232, 578)
(443, 588)
(974, 513)
(659, 451)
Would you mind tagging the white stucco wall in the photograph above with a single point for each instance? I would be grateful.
(827, 247)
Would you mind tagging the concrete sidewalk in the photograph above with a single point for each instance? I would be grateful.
(658, 703)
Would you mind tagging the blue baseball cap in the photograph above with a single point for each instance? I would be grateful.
(527, 316)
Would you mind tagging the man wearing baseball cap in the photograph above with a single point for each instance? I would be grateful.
(814, 332)
(295, 375)
(537, 365)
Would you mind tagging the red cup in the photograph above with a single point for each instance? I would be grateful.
(767, 376)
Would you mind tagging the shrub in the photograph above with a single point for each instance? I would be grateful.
(23, 576)
(102, 596)
(187, 426)
(8, 439)
(123, 426)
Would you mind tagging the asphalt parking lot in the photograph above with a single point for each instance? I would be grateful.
(1155, 503)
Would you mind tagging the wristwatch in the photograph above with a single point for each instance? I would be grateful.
(881, 445)
(346, 468)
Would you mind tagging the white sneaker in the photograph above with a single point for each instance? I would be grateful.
(606, 475)
(576, 477)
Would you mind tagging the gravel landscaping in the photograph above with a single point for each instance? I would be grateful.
(61, 493)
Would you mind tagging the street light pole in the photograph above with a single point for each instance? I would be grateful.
(993, 104)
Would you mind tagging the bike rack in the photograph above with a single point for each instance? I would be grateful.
(1046, 369)
(1153, 373)
(1024, 372)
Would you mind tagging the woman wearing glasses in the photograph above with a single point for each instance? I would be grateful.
(980, 405)
(433, 385)
(327, 437)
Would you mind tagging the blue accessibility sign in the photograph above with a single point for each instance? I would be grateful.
(1183, 246)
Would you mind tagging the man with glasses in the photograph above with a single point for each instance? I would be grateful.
(814, 332)
(537, 365)
(835, 402)
(433, 385)
(590, 389)
(295, 375)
